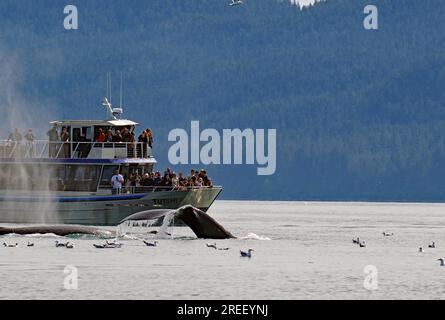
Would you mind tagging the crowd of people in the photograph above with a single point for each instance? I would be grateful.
(124, 135)
(59, 145)
(169, 179)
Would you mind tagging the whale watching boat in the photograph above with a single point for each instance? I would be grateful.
(70, 181)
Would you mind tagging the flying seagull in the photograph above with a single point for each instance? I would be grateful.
(236, 2)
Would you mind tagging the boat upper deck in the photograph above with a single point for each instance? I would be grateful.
(110, 139)
(75, 150)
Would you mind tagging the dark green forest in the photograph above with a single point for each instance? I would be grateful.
(360, 114)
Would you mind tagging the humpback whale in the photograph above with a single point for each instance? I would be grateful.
(60, 230)
(203, 225)
(200, 222)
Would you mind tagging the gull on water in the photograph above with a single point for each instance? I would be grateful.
(150, 244)
(108, 245)
(214, 246)
(10, 245)
(247, 254)
(211, 245)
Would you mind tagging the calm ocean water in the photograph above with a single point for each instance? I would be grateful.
(302, 251)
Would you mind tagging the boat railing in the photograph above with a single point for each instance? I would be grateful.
(73, 150)
(148, 189)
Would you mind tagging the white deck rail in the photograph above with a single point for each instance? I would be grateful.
(73, 150)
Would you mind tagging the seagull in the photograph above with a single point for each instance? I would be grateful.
(61, 244)
(236, 2)
(11, 245)
(113, 244)
(211, 245)
(69, 245)
(150, 244)
(356, 241)
(155, 232)
(108, 246)
(30, 244)
(247, 254)
(388, 234)
(362, 244)
(432, 245)
(442, 262)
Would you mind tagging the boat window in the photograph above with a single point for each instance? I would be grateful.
(79, 178)
(107, 173)
(82, 134)
(49, 177)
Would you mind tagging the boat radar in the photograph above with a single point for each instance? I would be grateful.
(113, 113)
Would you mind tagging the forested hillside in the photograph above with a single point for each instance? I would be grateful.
(360, 115)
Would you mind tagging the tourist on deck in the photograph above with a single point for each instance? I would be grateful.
(16, 136)
(130, 182)
(117, 137)
(157, 179)
(181, 179)
(203, 176)
(148, 180)
(30, 147)
(175, 181)
(149, 134)
(143, 139)
(101, 137)
(65, 138)
(110, 136)
(126, 136)
(117, 181)
(53, 139)
(132, 146)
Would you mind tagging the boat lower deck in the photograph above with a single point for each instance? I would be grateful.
(99, 208)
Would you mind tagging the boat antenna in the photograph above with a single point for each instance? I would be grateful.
(110, 87)
(120, 105)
